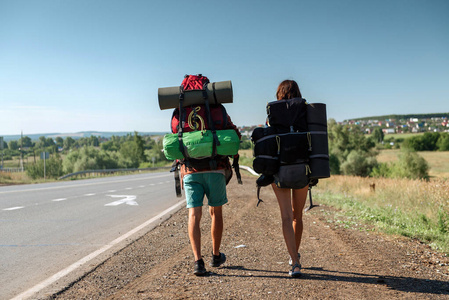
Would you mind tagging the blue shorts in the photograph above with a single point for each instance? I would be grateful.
(213, 185)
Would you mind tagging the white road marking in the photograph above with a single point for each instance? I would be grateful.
(128, 188)
(112, 191)
(14, 208)
(141, 186)
(30, 292)
(60, 199)
(89, 194)
(82, 184)
(128, 199)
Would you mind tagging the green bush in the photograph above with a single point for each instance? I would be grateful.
(334, 164)
(53, 168)
(443, 142)
(426, 142)
(381, 170)
(90, 158)
(358, 163)
(351, 152)
(410, 165)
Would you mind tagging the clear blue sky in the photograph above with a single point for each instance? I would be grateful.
(69, 66)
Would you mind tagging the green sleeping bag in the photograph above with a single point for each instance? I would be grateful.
(198, 144)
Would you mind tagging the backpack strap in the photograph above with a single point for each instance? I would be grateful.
(175, 169)
(258, 195)
(182, 149)
(213, 92)
(235, 165)
(215, 142)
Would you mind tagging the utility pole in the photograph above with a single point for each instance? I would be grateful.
(21, 150)
(1, 148)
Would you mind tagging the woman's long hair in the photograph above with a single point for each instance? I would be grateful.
(288, 89)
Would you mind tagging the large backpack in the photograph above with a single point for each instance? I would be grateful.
(282, 150)
(293, 150)
(199, 132)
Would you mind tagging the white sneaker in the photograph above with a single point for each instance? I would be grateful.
(294, 273)
(290, 261)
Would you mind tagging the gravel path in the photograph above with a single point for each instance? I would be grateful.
(338, 262)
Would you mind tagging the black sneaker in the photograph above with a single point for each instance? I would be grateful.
(217, 260)
(199, 269)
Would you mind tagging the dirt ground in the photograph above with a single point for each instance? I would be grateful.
(338, 262)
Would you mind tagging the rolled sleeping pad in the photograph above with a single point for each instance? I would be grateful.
(319, 155)
(217, 92)
(319, 166)
(316, 117)
(319, 143)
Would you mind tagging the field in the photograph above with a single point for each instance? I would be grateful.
(438, 161)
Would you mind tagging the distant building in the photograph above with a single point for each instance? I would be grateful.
(388, 130)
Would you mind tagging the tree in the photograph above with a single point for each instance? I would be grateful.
(426, 142)
(26, 141)
(68, 143)
(344, 140)
(59, 142)
(53, 168)
(358, 163)
(140, 150)
(378, 135)
(430, 140)
(45, 142)
(13, 145)
(156, 152)
(245, 143)
(443, 142)
(94, 141)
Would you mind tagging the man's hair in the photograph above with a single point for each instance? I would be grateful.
(288, 89)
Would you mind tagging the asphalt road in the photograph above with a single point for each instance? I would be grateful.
(48, 227)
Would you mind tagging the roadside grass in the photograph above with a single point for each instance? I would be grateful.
(246, 157)
(14, 178)
(411, 208)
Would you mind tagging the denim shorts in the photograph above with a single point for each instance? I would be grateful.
(213, 185)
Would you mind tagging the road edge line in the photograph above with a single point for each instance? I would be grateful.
(52, 279)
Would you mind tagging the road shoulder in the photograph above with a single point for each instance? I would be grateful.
(337, 262)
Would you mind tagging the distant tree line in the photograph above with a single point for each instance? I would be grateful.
(429, 141)
(88, 153)
(405, 117)
(351, 152)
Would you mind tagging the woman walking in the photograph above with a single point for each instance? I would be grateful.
(291, 201)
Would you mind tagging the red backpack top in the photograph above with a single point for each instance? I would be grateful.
(194, 82)
(198, 117)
